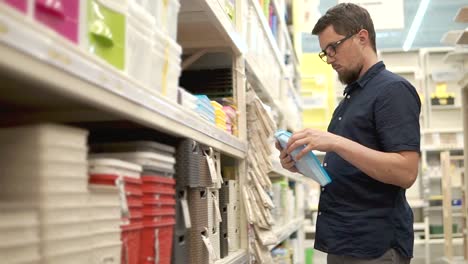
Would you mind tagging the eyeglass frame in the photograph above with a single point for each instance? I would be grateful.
(323, 54)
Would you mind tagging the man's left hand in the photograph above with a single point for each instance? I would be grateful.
(312, 139)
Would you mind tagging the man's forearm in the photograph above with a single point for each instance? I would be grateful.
(399, 169)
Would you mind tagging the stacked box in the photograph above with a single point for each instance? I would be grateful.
(191, 167)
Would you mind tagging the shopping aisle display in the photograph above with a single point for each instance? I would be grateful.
(109, 65)
(47, 169)
(199, 206)
(259, 204)
(149, 197)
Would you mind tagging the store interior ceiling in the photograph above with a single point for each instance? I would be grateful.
(436, 18)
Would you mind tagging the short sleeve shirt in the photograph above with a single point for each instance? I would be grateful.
(358, 215)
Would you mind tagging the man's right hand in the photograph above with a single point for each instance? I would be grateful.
(286, 160)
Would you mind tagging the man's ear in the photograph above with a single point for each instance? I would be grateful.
(363, 36)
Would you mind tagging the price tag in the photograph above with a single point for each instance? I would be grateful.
(211, 165)
(216, 204)
(123, 198)
(186, 212)
(210, 248)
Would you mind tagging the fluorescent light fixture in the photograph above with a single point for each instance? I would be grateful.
(416, 24)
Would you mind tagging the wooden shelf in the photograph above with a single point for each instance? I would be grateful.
(51, 75)
(451, 37)
(463, 38)
(462, 15)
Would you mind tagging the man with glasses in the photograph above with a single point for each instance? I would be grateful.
(372, 148)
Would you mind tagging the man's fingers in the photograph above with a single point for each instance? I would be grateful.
(278, 146)
(304, 152)
(296, 144)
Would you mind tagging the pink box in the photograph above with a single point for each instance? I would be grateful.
(60, 15)
(21, 5)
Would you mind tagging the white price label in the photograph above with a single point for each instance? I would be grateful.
(123, 198)
(216, 204)
(186, 212)
(210, 248)
(211, 166)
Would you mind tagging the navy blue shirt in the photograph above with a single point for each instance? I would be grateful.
(359, 216)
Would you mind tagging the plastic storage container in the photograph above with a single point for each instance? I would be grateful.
(20, 5)
(131, 243)
(309, 165)
(139, 45)
(106, 31)
(109, 166)
(61, 16)
(168, 17)
(166, 65)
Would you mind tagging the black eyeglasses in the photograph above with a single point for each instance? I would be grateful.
(330, 50)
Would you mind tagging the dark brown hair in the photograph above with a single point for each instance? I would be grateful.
(347, 19)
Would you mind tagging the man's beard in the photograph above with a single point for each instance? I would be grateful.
(348, 77)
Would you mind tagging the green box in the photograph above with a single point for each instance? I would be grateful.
(106, 32)
(439, 229)
(309, 256)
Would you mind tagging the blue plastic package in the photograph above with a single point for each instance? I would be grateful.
(308, 165)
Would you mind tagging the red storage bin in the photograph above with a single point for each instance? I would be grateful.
(60, 15)
(134, 201)
(158, 216)
(132, 185)
(151, 198)
(158, 179)
(131, 243)
(152, 202)
(156, 243)
(161, 189)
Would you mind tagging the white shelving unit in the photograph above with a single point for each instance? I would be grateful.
(285, 231)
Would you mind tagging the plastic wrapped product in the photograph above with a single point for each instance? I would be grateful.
(309, 165)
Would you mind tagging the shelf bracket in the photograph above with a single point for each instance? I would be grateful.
(193, 58)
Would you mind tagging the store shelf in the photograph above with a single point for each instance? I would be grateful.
(463, 38)
(457, 56)
(309, 228)
(441, 130)
(440, 208)
(436, 236)
(455, 241)
(462, 15)
(417, 203)
(261, 88)
(441, 148)
(283, 232)
(464, 81)
(446, 107)
(280, 11)
(451, 37)
(404, 70)
(238, 257)
(267, 30)
(68, 79)
(200, 17)
(419, 226)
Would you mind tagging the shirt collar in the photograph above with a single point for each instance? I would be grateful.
(361, 82)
